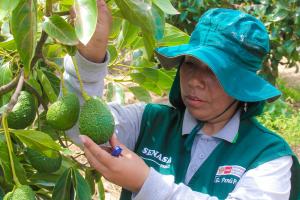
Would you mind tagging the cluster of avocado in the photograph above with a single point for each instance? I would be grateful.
(23, 192)
(95, 121)
(95, 118)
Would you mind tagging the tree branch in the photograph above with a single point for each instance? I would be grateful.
(40, 99)
(10, 86)
(38, 50)
(16, 94)
(62, 13)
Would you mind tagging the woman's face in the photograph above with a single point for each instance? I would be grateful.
(201, 92)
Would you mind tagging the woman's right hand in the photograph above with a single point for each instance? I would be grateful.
(95, 50)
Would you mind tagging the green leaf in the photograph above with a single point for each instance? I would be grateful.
(115, 93)
(116, 27)
(7, 6)
(161, 79)
(9, 45)
(113, 53)
(43, 179)
(37, 140)
(152, 79)
(54, 81)
(5, 161)
(57, 28)
(5, 77)
(82, 189)
(53, 51)
(127, 35)
(290, 46)
(63, 189)
(166, 6)
(6, 166)
(149, 44)
(35, 84)
(24, 29)
(101, 190)
(90, 179)
(143, 14)
(47, 87)
(146, 83)
(173, 36)
(86, 19)
(141, 94)
(280, 15)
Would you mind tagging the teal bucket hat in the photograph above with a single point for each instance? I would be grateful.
(233, 44)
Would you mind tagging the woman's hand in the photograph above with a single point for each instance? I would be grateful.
(128, 170)
(95, 50)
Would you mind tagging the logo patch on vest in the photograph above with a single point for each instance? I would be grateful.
(156, 157)
(229, 174)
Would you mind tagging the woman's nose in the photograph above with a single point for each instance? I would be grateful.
(196, 79)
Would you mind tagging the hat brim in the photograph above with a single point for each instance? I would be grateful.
(236, 80)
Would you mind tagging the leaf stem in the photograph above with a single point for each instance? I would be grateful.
(60, 71)
(33, 90)
(10, 148)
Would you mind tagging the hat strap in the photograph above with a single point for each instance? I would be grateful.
(228, 107)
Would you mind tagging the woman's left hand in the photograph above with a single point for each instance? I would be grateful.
(128, 170)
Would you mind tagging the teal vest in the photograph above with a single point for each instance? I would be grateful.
(161, 146)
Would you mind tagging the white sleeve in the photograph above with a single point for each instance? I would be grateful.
(269, 181)
(128, 121)
(92, 75)
(127, 118)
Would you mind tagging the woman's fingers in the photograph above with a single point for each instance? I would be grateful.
(98, 153)
(93, 161)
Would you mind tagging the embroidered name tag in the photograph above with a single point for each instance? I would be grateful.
(156, 157)
(229, 174)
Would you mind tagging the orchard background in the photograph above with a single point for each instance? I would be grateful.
(35, 35)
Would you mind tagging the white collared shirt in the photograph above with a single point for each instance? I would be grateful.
(270, 180)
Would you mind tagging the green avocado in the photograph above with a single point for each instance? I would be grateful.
(96, 120)
(42, 163)
(63, 114)
(23, 113)
(8, 196)
(24, 192)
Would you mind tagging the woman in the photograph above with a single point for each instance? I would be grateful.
(207, 145)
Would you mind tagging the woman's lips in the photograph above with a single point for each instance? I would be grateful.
(194, 101)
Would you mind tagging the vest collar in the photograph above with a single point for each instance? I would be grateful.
(229, 132)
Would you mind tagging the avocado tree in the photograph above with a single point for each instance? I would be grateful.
(35, 106)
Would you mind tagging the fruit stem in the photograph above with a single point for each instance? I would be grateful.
(10, 148)
(83, 92)
(60, 71)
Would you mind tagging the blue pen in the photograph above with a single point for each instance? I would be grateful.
(116, 151)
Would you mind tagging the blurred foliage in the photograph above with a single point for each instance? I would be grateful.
(292, 93)
(283, 116)
(283, 119)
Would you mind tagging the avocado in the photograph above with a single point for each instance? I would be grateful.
(23, 192)
(23, 113)
(8, 196)
(63, 113)
(96, 120)
(42, 163)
